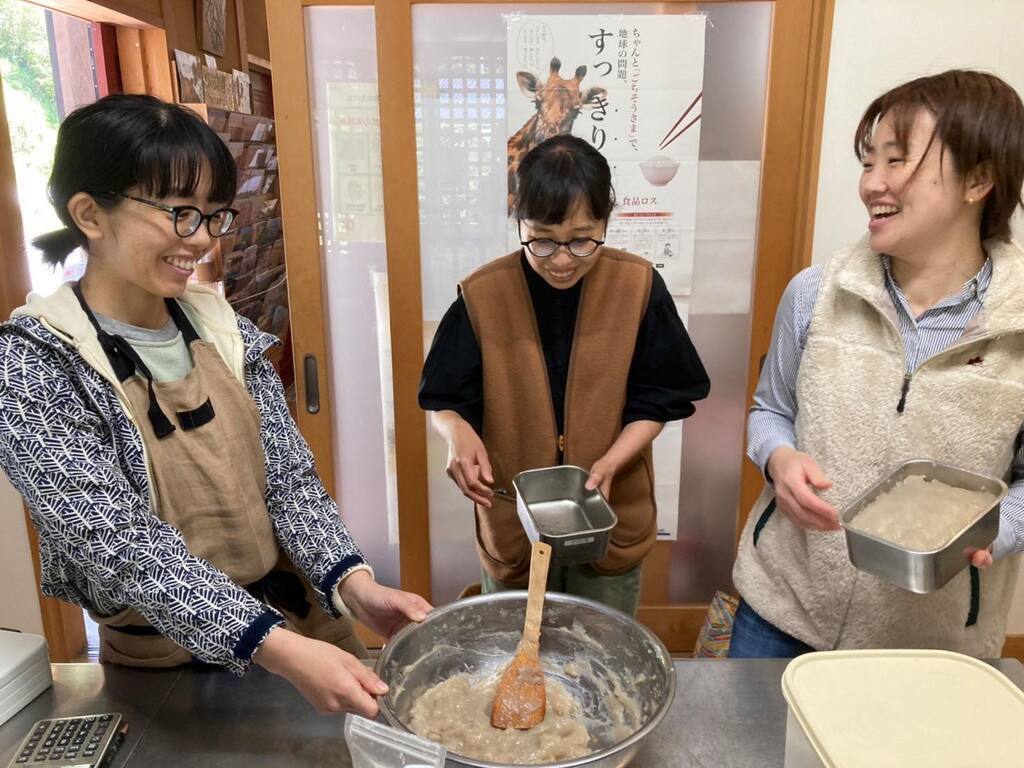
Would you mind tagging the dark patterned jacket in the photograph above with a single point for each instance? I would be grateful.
(75, 454)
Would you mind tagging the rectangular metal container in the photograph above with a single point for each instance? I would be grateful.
(555, 508)
(923, 572)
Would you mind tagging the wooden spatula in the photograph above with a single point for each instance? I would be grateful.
(520, 701)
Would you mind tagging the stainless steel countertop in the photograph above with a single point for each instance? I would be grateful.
(726, 713)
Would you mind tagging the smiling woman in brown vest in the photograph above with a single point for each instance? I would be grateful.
(907, 345)
(142, 421)
(563, 352)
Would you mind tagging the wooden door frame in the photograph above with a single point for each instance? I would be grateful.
(63, 624)
(294, 128)
(786, 215)
(801, 34)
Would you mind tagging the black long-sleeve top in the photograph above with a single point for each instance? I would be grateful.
(666, 375)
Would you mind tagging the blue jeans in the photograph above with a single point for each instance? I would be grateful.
(755, 638)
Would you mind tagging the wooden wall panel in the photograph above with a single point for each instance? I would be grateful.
(125, 13)
(180, 23)
(145, 62)
(1013, 648)
(677, 626)
(255, 14)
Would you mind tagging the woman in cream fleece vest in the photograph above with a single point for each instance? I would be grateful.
(909, 344)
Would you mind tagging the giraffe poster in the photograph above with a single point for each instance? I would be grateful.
(632, 87)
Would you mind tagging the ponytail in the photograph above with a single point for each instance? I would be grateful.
(57, 245)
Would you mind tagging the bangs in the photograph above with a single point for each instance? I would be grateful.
(903, 115)
(555, 179)
(554, 201)
(175, 158)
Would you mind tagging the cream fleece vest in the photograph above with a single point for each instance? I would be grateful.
(964, 406)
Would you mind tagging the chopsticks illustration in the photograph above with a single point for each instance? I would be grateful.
(666, 141)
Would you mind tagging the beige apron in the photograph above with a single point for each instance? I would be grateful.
(209, 482)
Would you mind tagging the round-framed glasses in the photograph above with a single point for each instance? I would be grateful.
(545, 247)
(187, 218)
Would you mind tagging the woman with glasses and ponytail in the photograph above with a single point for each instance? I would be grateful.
(564, 352)
(140, 418)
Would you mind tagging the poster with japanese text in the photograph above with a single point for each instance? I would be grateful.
(632, 87)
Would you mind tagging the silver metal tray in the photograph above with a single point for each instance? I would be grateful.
(923, 572)
(555, 508)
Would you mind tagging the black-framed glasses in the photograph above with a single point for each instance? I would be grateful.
(545, 247)
(187, 218)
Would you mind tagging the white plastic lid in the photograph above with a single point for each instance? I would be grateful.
(902, 708)
(19, 651)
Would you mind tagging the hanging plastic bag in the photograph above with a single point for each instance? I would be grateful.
(373, 745)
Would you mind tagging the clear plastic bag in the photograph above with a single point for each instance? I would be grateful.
(373, 745)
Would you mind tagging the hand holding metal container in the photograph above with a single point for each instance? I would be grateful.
(555, 507)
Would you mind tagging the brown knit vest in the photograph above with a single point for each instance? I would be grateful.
(519, 429)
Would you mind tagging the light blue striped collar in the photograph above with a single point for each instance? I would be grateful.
(974, 288)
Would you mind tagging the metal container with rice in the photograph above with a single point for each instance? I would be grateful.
(916, 526)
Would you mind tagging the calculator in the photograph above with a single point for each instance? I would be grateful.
(88, 741)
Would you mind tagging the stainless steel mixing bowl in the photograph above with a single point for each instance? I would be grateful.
(479, 635)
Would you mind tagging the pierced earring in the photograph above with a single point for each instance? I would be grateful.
(970, 201)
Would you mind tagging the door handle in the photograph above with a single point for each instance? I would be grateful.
(309, 367)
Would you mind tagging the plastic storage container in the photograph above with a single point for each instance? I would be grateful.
(881, 709)
(24, 671)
